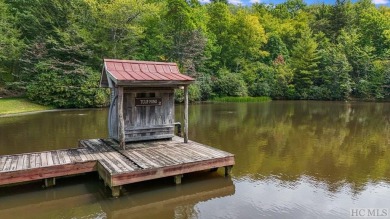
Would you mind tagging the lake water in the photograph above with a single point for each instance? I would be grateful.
(294, 159)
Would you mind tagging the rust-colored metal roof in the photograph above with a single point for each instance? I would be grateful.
(131, 72)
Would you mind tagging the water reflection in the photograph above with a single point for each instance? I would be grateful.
(50, 130)
(85, 197)
(305, 198)
(167, 202)
(332, 142)
(293, 160)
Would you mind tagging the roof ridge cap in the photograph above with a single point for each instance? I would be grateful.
(139, 62)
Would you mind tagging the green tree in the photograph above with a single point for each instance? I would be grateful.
(118, 26)
(276, 48)
(321, 23)
(56, 66)
(247, 36)
(289, 9)
(342, 17)
(222, 1)
(374, 26)
(230, 84)
(239, 35)
(282, 87)
(186, 29)
(10, 44)
(360, 59)
(219, 28)
(334, 79)
(304, 62)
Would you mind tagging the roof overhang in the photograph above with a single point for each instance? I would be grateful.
(142, 74)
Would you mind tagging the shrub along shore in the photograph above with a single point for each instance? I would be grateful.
(241, 99)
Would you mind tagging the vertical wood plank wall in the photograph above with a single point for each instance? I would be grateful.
(121, 127)
(113, 114)
(147, 122)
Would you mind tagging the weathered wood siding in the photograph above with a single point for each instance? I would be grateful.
(145, 122)
(113, 115)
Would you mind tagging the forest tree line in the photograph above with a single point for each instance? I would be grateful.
(52, 50)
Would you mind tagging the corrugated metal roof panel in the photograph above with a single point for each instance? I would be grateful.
(131, 71)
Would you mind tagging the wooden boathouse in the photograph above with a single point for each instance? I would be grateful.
(141, 144)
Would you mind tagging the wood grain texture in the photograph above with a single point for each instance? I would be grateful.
(121, 122)
(145, 122)
(185, 114)
(116, 166)
(2, 161)
(46, 172)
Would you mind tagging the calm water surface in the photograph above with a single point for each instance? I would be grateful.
(293, 160)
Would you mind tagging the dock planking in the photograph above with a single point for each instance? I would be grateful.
(115, 165)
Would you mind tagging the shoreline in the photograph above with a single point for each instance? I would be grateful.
(3, 115)
(44, 111)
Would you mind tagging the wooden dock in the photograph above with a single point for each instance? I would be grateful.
(137, 162)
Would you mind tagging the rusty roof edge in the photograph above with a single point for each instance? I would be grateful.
(157, 83)
(173, 70)
(110, 74)
(141, 62)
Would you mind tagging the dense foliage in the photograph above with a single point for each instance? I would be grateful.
(53, 49)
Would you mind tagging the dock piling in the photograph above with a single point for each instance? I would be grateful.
(50, 182)
(228, 170)
(178, 178)
(116, 191)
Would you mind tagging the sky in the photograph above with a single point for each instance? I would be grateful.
(249, 2)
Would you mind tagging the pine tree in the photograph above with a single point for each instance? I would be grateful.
(304, 62)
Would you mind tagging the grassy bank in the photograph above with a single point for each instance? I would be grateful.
(241, 99)
(19, 105)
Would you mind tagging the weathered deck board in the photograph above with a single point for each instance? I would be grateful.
(2, 162)
(38, 160)
(116, 166)
(121, 161)
(43, 159)
(7, 164)
(108, 159)
(55, 157)
(19, 164)
(149, 159)
(139, 161)
(66, 157)
(26, 161)
(87, 154)
(61, 157)
(170, 159)
(32, 160)
(14, 162)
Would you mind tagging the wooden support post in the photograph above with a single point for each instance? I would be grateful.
(49, 182)
(177, 179)
(228, 170)
(116, 191)
(186, 114)
(121, 120)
